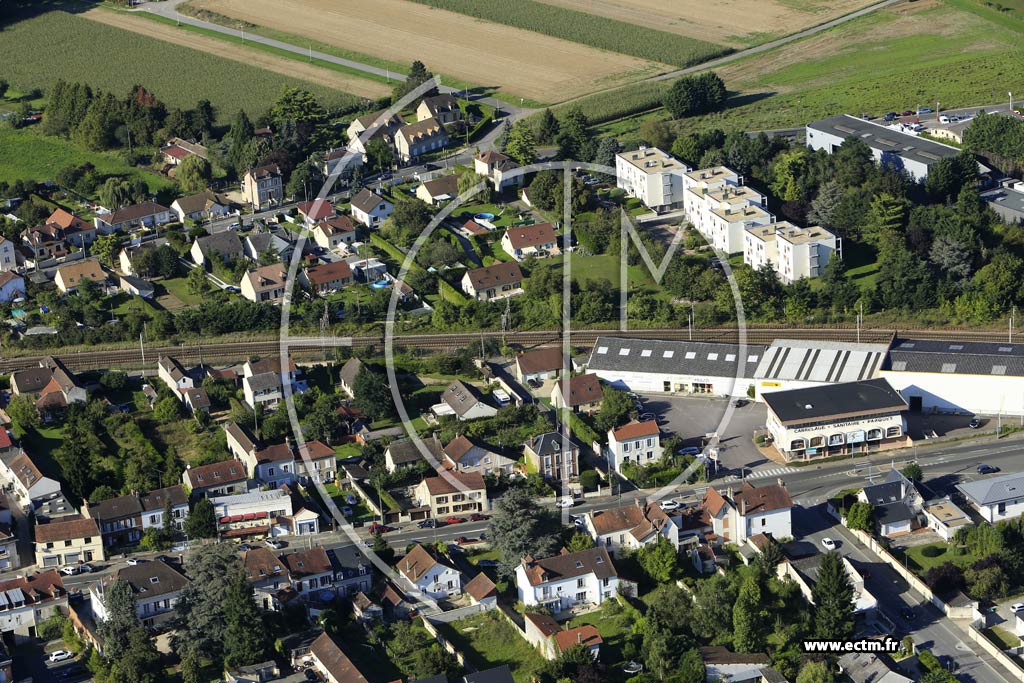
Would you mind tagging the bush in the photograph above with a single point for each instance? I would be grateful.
(52, 628)
(590, 479)
(929, 661)
(933, 550)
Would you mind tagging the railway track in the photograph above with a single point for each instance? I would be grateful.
(312, 350)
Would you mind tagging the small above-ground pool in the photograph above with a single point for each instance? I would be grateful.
(381, 284)
(484, 216)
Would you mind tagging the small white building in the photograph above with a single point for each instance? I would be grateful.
(652, 176)
(792, 252)
(700, 182)
(370, 209)
(252, 513)
(837, 419)
(429, 576)
(171, 373)
(637, 442)
(570, 580)
(495, 281)
(498, 168)
(996, 498)
(804, 572)
(944, 517)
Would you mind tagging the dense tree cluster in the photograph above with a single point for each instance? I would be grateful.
(693, 95)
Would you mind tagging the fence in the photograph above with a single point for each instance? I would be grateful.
(1011, 664)
(443, 642)
(449, 616)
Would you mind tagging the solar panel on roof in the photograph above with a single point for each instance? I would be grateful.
(623, 352)
(668, 354)
(602, 349)
(15, 595)
(1005, 349)
(956, 347)
(646, 353)
(690, 355)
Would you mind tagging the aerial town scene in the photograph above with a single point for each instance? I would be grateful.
(537, 341)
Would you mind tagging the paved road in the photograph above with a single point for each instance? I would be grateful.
(928, 627)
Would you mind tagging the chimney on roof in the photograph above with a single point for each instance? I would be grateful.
(743, 506)
(780, 482)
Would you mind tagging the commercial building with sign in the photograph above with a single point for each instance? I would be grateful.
(797, 364)
(676, 367)
(837, 419)
(958, 377)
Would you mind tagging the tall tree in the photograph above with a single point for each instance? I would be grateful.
(246, 639)
(193, 174)
(886, 220)
(373, 397)
(418, 75)
(816, 672)
(521, 146)
(139, 662)
(833, 600)
(200, 614)
(747, 619)
(692, 95)
(574, 138)
(607, 148)
(547, 128)
(121, 619)
(202, 520)
(519, 527)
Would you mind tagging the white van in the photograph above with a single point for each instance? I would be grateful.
(943, 118)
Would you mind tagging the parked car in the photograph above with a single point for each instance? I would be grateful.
(60, 655)
(378, 528)
(668, 505)
(276, 545)
(924, 110)
(632, 667)
(478, 517)
(454, 520)
(975, 423)
(907, 113)
(565, 502)
(739, 403)
(233, 289)
(85, 569)
(1017, 607)
(891, 116)
(987, 469)
(427, 524)
(533, 384)
(350, 499)
(69, 570)
(134, 561)
(244, 548)
(463, 540)
(828, 543)
(346, 511)
(487, 563)
(689, 450)
(648, 416)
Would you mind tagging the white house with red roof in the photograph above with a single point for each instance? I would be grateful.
(465, 455)
(335, 232)
(315, 211)
(737, 515)
(630, 526)
(530, 240)
(431, 577)
(568, 581)
(637, 442)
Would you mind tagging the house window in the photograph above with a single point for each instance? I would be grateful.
(892, 432)
(581, 596)
(581, 583)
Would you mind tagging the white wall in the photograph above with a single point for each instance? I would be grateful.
(981, 394)
(777, 523)
(655, 383)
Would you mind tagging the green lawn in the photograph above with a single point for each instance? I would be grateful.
(489, 641)
(918, 560)
(40, 445)
(158, 65)
(26, 154)
(614, 624)
(178, 288)
(1002, 637)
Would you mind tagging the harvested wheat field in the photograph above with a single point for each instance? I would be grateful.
(519, 62)
(354, 85)
(734, 23)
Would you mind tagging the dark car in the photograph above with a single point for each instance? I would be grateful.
(478, 517)
(427, 524)
(454, 520)
(975, 423)
(987, 469)
(891, 116)
(739, 403)
(907, 113)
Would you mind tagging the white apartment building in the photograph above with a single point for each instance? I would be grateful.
(652, 176)
(727, 213)
(700, 182)
(793, 252)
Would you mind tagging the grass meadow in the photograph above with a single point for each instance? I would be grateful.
(114, 59)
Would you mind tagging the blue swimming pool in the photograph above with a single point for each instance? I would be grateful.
(381, 284)
(484, 216)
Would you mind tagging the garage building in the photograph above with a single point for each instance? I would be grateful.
(797, 364)
(958, 377)
(837, 419)
(676, 367)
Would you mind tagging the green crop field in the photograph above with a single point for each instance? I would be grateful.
(588, 29)
(114, 59)
(877, 63)
(27, 155)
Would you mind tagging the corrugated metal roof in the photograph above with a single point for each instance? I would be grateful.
(824, 362)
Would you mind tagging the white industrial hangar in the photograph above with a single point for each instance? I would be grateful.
(678, 367)
(985, 378)
(797, 364)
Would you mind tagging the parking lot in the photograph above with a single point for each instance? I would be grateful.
(692, 417)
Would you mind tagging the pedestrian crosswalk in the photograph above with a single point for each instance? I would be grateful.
(762, 474)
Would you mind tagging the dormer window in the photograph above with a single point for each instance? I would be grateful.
(579, 565)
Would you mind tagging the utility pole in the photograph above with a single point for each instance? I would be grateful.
(143, 348)
(689, 322)
(860, 318)
(1013, 312)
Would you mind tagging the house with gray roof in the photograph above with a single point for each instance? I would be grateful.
(260, 243)
(224, 245)
(996, 498)
(896, 502)
(676, 367)
(463, 401)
